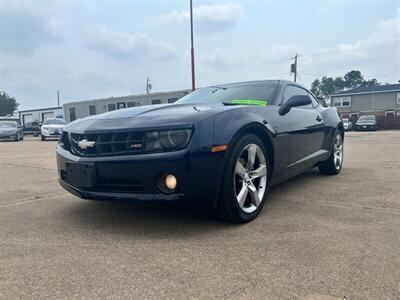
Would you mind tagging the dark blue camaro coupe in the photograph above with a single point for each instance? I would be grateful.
(218, 148)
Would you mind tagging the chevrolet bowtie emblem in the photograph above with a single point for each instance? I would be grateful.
(84, 144)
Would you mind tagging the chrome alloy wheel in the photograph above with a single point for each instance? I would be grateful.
(338, 151)
(250, 178)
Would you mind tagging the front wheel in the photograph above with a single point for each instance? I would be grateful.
(245, 180)
(42, 137)
(333, 164)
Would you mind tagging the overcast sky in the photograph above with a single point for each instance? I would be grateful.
(88, 49)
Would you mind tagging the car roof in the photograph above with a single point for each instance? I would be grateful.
(281, 81)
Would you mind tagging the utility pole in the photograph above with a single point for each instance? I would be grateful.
(293, 67)
(58, 98)
(192, 47)
(148, 86)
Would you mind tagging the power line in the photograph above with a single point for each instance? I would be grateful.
(350, 50)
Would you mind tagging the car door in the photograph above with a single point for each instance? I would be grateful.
(299, 136)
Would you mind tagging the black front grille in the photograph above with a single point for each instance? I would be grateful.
(107, 144)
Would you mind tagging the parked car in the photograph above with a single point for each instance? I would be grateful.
(32, 128)
(366, 122)
(52, 128)
(11, 130)
(347, 124)
(218, 148)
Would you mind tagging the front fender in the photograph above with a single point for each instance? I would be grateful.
(228, 125)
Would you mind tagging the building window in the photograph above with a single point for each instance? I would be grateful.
(111, 106)
(121, 105)
(92, 110)
(131, 104)
(390, 113)
(72, 114)
(342, 102)
(337, 102)
(156, 101)
(172, 100)
(398, 98)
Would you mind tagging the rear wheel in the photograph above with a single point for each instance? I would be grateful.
(333, 164)
(245, 181)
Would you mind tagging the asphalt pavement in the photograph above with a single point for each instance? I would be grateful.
(318, 237)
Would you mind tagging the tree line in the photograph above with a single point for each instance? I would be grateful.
(8, 104)
(351, 80)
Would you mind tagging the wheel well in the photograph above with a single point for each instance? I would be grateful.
(263, 135)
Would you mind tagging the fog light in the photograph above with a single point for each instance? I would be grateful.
(166, 183)
(170, 182)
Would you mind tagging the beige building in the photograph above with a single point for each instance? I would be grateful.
(382, 101)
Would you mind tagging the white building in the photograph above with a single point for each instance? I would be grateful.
(41, 114)
(80, 109)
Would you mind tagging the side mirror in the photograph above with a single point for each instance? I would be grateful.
(298, 100)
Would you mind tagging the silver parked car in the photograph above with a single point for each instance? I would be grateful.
(347, 124)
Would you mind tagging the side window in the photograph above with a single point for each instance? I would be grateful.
(293, 91)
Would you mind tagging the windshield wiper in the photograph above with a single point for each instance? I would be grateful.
(218, 88)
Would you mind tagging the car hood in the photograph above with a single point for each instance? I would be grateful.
(7, 129)
(147, 117)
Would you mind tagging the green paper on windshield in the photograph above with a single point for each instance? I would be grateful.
(250, 102)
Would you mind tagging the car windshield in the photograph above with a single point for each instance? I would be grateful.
(7, 124)
(54, 122)
(241, 93)
(367, 118)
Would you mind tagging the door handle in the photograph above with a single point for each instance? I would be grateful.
(319, 119)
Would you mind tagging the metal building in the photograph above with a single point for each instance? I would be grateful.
(80, 109)
(39, 115)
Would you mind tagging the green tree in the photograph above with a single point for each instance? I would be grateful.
(328, 85)
(353, 79)
(8, 104)
(371, 82)
(315, 87)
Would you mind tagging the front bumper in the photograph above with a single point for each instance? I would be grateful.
(365, 127)
(50, 134)
(8, 136)
(134, 177)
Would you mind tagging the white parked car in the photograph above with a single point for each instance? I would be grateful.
(52, 128)
(347, 124)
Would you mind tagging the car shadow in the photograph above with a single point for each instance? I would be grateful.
(165, 221)
(299, 182)
(153, 220)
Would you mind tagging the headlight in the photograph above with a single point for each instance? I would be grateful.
(167, 140)
(45, 128)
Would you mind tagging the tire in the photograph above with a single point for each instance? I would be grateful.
(333, 165)
(244, 185)
(35, 134)
(42, 137)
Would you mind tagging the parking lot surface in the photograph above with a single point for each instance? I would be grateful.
(318, 237)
